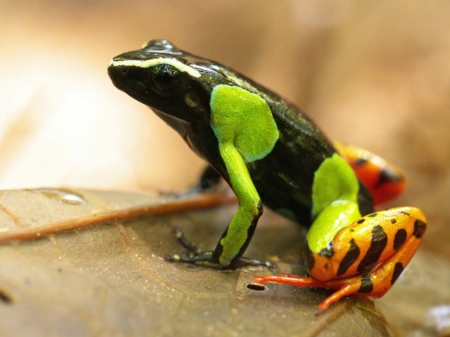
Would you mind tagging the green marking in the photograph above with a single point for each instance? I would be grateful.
(334, 180)
(243, 119)
(329, 222)
(335, 201)
(246, 131)
(248, 198)
(154, 62)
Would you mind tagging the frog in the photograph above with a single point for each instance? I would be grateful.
(271, 153)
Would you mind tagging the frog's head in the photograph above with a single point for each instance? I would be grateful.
(175, 84)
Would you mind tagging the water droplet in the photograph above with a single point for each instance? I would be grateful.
(62, 195)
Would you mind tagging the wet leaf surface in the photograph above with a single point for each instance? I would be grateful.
(109, 279)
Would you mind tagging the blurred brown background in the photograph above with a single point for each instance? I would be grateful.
(372, 73)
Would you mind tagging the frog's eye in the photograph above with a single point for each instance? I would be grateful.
(165, 77)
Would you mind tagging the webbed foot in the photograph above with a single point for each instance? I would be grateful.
(198, 257)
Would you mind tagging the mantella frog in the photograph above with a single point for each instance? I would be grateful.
(271, 153)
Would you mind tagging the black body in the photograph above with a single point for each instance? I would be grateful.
(284, 177)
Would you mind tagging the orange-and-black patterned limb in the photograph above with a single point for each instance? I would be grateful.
(364, 264)
(384, 180)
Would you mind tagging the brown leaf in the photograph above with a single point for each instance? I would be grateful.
(109, 278)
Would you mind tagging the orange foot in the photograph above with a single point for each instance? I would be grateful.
(344, 287)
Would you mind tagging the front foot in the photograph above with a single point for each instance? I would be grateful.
(198, 257)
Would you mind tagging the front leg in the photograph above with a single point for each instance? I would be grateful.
(237, 236)
(246, 131)
(234, 241)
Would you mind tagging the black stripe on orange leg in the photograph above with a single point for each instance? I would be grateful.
(398, 269)
(419, 228)
(360, 162)
(349, 258)
(400, 238)
(377, 245)
(386, 175)
(366, 284)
